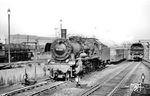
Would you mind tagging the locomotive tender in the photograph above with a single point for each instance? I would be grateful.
(76, 56)
(18, 52)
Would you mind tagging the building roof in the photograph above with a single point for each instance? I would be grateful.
(19, 38)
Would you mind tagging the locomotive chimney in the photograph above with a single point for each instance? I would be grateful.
(63, 33)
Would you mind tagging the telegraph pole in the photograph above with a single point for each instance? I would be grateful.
(27, 39)
(148, 50)
(8, 11)
(5, 41)
(60, 26)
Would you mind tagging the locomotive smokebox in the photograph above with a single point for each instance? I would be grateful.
(63, 33)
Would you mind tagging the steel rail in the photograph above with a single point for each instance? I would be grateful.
(24, 89)
(97, 86)
(123, 81)
(44, 89)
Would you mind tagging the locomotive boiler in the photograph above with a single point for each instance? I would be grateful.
(75, 56)
(18, 52)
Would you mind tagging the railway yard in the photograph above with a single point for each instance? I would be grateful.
(76, 66)
(114, 80)
(74, 48)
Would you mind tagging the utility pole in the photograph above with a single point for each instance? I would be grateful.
(27, 39)
(148, 50)
(5, 41)
(36, 44)
(56, 32)
(8, 11)
(60, 26)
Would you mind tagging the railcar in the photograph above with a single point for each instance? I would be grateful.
(136, 52)
(18, 52)
(118, 54)
(2, 53)
(75, 56)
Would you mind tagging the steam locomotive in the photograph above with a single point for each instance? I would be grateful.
(18, 52)
(136, 52)
(77, 55)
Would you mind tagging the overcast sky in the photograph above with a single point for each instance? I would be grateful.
(109, 20)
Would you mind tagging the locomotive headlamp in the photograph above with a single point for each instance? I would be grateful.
(77, 79)
(8, 11)
(48, 60)
(67, 60)
(143, 77)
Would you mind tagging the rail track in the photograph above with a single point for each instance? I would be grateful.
(146, 63)
(16, 64)
(34, 89)
(110, 85)
(107, 87)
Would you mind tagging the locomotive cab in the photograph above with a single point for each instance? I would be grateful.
(137, 51)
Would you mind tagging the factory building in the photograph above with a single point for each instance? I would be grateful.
(32, 40)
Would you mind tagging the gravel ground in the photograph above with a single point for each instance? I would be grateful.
(135, 78)
(68, 92)
(10, 88)
(89, 80)
(17, 86)
(142, 69)
(96, 76)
